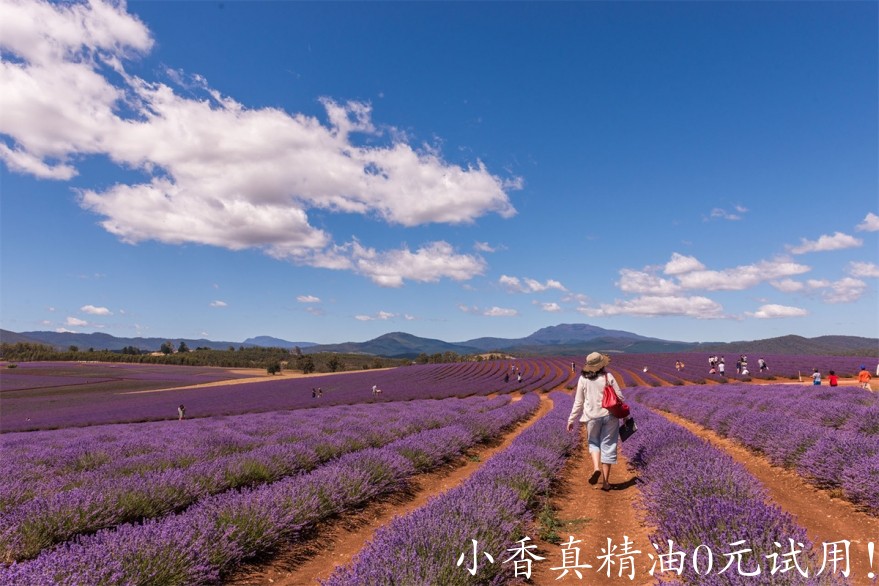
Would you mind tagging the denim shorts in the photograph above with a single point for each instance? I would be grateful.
(604, 433)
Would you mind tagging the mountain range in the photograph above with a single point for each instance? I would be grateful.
(560, 340)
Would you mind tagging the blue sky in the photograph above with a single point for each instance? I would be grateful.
(330, 172)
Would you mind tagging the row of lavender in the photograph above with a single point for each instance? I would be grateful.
(207, 540)
(829, 435)
(702, 503)
(40, 375)
(493, 507)
(434, 381)
(81, 480)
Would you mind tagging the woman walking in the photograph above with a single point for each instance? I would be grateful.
(602, 428)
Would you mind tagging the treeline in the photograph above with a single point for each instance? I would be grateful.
(449, 357)
(273, 359)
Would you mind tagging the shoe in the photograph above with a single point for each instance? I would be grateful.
(594, 478)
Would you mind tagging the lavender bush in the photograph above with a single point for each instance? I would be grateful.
(492, 507)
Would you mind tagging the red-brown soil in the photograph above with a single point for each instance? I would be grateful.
(582, 511)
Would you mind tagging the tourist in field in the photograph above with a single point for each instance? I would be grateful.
(762, 364)
(181, 412)
(816, 378)
(313, 393)
(864, 378)
(832, 379)
(721, 368)
(602, 428)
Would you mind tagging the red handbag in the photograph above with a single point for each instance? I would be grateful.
(612, 403)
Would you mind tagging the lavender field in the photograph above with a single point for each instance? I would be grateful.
(123, 493)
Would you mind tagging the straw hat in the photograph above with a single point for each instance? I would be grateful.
(595, 362)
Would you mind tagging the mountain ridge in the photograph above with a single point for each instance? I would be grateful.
(562, 339)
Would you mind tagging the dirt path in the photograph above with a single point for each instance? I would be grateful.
(593, 516)
(337, 542)
(824, 517)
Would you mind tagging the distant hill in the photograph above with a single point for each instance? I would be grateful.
(822, 345)
(270, 342)
(560, 340)
(395, 345)
(101, 341)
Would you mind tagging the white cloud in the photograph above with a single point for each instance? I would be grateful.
(870, 223)
(689, 273)
(847, 290)
(727, 215)
(500, 312)
(91, 309)
(64, 331)
(680, 264)
(218, 303)
(741, 277)
(379, 316)
(527, 285)
(642, 282)
(788, 285)
(771, 311)
(76, 322)
(654, 305)
(218, 172)
(485, 247)
(315, 311)
(838, 241)
(429, 263)
(308, 299)
(863, 269)
(471, 309)
(550, 307)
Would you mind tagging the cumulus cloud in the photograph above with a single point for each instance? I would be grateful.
(550, 307)
(846, 290)
(429, 263)
(485, 247)
(379, 316)
(863, 269)
(526, 285)
(500, 312)
(92, 310)
(218, 303)
(771, 311)
(838, 241)
(689, 273)
(741, 277)
(308, 299)
(654, 305)
(643, 282)
(218, 173)
(76, 322)
(788, 285)
(724, 214)
(870, 223)
(680, 264)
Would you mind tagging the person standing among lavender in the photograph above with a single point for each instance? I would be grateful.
(602, 428)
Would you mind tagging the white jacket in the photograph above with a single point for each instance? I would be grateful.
(587, 400)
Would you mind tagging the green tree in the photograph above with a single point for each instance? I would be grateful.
(73, 348)
(183, 347)
(166, 348)
(334, 363)
(306, 364)
(274, 368)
